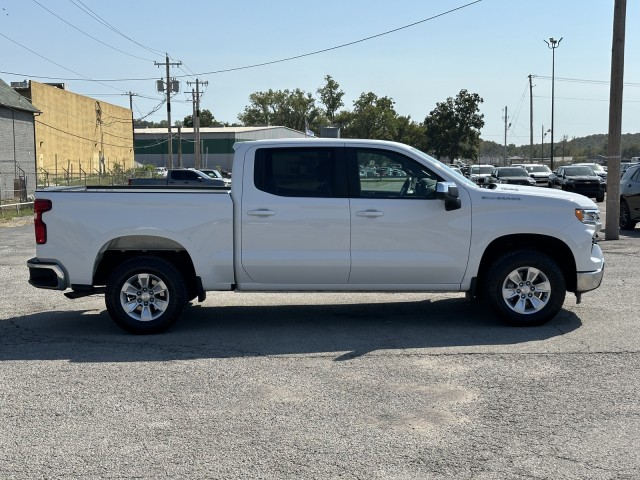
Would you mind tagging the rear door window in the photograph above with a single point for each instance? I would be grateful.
(301, 172)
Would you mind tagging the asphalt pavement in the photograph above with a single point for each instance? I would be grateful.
(320, 386)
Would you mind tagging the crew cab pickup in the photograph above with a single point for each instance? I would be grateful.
(300, 217)
(580, 179)
(181, 176)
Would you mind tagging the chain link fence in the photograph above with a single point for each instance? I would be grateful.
(16, 189)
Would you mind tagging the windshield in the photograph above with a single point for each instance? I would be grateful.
(594, 166)
(444, 166)
(538, 169)
(576, 171)
(512, 172)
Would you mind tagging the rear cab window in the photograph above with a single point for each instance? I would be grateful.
(301, 172)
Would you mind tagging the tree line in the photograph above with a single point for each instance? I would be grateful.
(591, 147)
(450, 131)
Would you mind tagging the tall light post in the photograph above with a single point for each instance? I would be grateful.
(552, 44)
(544, 134)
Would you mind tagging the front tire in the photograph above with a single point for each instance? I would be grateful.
(145, 295)
(525, 287)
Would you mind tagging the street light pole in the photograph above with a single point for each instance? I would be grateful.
(552, 44)
(544, 134)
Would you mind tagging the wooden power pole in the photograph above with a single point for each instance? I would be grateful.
(612, 227)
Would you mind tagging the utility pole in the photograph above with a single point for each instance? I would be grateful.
(553, 44)
(196, 121)
(180, 147)
(133, 128)
(506, 119)
(101, 164)
(612, 227)
(169, 87)
(531, 117)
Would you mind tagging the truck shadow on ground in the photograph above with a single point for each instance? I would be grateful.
(340, 331)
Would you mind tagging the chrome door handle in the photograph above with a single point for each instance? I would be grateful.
(261, 213)
(369, 213)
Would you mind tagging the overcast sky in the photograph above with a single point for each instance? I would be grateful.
(487, 47)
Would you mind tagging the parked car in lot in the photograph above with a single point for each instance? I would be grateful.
(512, 175)
(215, 174)
(540, 173)
(626, 165)
(579, 179)
(480, 173)
(456, 169)
(597, 168)
(630, 198)
(179, 176)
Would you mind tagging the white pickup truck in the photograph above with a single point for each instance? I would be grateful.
(301, 216)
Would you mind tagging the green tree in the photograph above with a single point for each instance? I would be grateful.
(137, 123)
(372, 117)
(331, 97)
(294, 109)
(453, 127)
(410, 132)
(631, 151)
(206, 120)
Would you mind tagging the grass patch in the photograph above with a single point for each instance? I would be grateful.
(10, 214)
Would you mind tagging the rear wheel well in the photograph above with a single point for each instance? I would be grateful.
(552, 247)
(112, 259)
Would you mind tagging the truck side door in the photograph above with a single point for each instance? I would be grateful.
(295, 225)
(401, 233)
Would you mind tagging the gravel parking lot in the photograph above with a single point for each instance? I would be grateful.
(274, 386)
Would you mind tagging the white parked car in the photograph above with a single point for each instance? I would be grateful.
(480, 174)
(540, 173)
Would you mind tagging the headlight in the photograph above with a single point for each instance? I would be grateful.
(591, 217)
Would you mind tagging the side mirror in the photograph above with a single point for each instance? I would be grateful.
(448, 191)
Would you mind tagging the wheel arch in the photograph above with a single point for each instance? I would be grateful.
(121, 249)
(554, 248)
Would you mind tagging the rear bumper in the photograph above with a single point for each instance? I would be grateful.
(47, 275)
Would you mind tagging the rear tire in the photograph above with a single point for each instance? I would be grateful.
(600, 198)
(525, 288)
(625, 217)
(145, 295)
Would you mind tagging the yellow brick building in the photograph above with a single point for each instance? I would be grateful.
(78, 135)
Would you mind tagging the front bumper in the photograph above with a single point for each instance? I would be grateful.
(47, 275)
(586, 281)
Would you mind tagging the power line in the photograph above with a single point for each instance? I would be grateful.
(582, 80)
(99, 19)
(89, 35)
(81, 137)
(256, 65)
(57, 64)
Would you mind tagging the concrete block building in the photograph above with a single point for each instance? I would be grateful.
(17, 145)
(76, 134)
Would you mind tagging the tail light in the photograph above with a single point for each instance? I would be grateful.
(39, 207)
